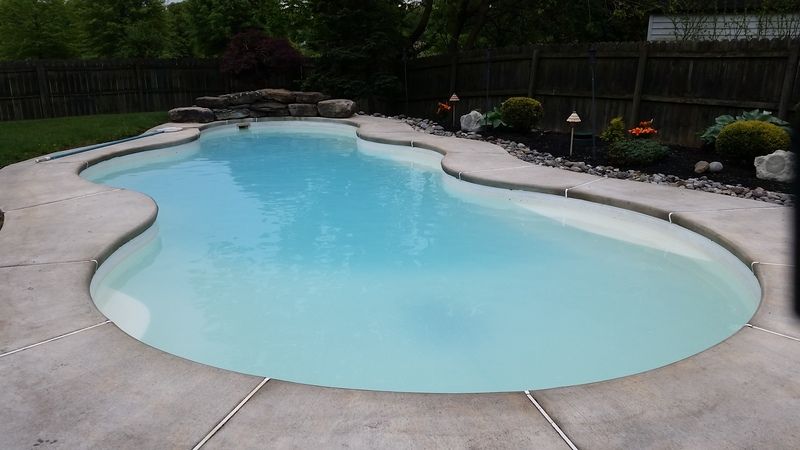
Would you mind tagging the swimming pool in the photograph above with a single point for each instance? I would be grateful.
(296, 251)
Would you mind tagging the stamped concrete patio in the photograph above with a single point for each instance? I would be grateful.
(71, 379)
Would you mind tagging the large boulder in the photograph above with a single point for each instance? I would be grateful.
(310, 97)
(231, 113)
(337, 108)
(277, 95)
(211, 102)
(302, 110)
(242, 98)
(471, 121)
(777, 166)
(270, 109)
(192, 114)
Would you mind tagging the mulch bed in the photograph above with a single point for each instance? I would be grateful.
(680, 161)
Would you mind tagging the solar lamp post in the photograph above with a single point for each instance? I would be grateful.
(573, 120)
(454, 99)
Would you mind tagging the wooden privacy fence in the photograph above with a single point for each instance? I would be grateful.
(682, 85)
(54, 88)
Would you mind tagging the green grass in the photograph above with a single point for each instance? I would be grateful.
(25, 139)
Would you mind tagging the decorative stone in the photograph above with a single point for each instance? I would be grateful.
(211, 102)
(256, 114)
(277, 95)
(715, 167)
(337, 108)
(471, 121)
(268, 106)
(302, 110)
(231, 113)
(242, 98)
(701, 167)
(310, 97)
(777, 166)
(193, 114)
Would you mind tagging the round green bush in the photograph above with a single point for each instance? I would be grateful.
(750, 138)
(521, 113)
(636, 152)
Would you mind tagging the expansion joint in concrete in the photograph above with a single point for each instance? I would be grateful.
(230, 414)
(566, 191)
(52, 263)
(550, 421)
(772, 332)
(65, 199)
(493, 170)
(54, 338)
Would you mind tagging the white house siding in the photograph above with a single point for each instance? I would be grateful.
(693, 27)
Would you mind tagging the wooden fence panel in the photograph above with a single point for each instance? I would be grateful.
(55, 88)
(682, 85)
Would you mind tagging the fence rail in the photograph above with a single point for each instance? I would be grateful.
(683, 85)
(54, 88)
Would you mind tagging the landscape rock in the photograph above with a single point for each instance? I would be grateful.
(310, 97)
(336, 108)
(269, 107)
(231, 113)
(193, 114)
(715, 167)
(302, 110)
(777, 166)
(546, 159)
(277, 95)
(212, 102)
(471, 121)
(242, 98)
(701, 167)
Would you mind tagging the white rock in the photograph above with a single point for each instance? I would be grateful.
(471, 121)
(778, 166)
(715, 166)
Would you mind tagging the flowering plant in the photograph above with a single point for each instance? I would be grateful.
(443, 108)
(644, 130)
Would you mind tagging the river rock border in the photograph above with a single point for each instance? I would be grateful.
(534, 156)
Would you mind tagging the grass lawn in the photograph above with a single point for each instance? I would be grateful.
(25, 139)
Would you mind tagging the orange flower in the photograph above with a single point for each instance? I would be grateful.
(443, 107)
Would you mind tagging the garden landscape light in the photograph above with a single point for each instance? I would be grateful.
(454, 99)
(573, 120)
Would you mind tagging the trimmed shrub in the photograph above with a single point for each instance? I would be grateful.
(615, 131)
(636, 151)
(710, 135)
(750, 138)
(522, 113)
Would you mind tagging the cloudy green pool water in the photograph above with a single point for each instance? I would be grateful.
(294, 250)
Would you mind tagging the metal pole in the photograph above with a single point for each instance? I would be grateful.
(571, 139)
(405, 77)
(594, 119)
(592, 63)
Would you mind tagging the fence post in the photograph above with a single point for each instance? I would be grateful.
(532, 74)
(788, 80)
(44, 89)
(637, 90)
(453, 74)
(139, 86)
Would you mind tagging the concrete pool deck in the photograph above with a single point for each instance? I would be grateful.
(71, 379)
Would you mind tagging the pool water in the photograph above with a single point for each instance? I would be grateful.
(299, 252)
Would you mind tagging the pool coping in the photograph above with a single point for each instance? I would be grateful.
(61, 225)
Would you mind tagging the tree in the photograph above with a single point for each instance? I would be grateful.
(252, 55)
(121, 28)
(35, 29)
(359, 44)
(179, 34)
(215, 22)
